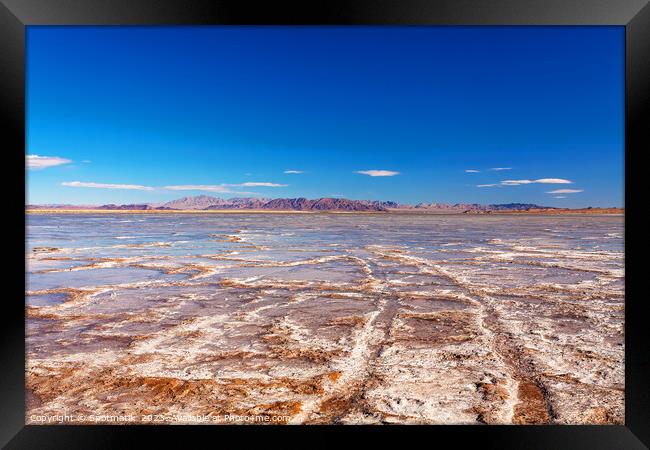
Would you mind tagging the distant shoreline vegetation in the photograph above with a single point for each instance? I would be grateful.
(205, 203)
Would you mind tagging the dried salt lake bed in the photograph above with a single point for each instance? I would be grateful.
(326, 318)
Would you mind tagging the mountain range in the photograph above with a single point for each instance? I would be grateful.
(207, 203)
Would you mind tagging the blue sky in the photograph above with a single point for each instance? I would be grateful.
(411, 114)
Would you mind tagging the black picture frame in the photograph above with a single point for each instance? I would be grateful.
(634, 15)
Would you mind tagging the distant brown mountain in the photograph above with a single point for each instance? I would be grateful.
(240, 203)
(208, 203)
(321, 204)
(204, 202)
(475, 207)
(131, 207)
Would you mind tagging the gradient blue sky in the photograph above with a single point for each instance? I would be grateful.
(140, 114)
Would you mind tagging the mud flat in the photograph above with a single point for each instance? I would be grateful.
(312, 319)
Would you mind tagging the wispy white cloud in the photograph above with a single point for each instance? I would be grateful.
(553, 181)
(522, 182)
(41, 162)
(81, 184)
(501, 168)
(565, 191)
(516, 182)
(222, 188)
(472, 171)
(560, 196)
(258, 184)
(378, 173)
(291, 171)
(541, 180)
